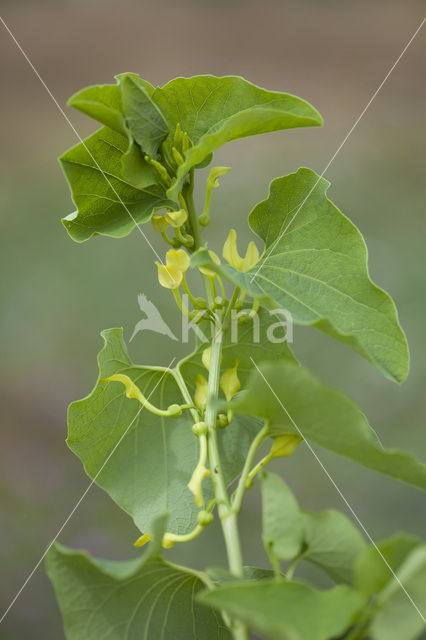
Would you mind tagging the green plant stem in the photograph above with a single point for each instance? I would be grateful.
(227, 516)
(242, 484)
(192, 214)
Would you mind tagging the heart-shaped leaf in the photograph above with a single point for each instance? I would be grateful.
(315, 267)
(142, 598)
(106, 202)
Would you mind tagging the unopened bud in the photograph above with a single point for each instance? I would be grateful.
(204, 518)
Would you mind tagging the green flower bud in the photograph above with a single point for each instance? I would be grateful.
(199, 429)
(204, 518)
(174, 410)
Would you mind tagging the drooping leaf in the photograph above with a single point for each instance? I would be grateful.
(282, 519)
(288, 610)
(329, 419)
(333, 543)
(215, 110)
(102, 103)
(315, 267)
(106, 203)
(143, 117)
(143, 598)
(400, 597)
(148, 472)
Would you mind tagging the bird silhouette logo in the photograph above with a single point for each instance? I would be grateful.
(153, 320)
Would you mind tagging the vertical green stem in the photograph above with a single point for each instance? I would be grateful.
(227, 515)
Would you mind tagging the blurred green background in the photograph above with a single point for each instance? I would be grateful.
(57, 296)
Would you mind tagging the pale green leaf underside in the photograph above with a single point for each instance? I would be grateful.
(146, 598)
(282, 522)
(106, 202)
(288, 610)
(317, 270)
(148, 473)
(332, 543)
(215, 110)
(324, 416)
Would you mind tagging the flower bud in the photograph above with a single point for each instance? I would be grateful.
(221, 421)
(229, 382)
(201, 388)
(170, 276)
(284, 445)
(204, 518)
(205, 358)
(176, 218)
(199, 429)
(174, 410)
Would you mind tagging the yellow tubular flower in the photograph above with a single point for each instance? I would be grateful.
(284, 445)
(159, 223)
(195, 484)
(200, 472)
(229, 382)
(201, 388)
(176, 218)
(177, 258)
(232, 257)
(215, 173)
(169, 276)
(209, 272)
(142, 540)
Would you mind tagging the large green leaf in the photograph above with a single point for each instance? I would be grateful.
(288, 610)
(144, 598)
(333, 543)
(149, 471)
(106, 202)
(215, 110)
(315, 267)
(282, 529)
(328, 418)
(400, 602)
